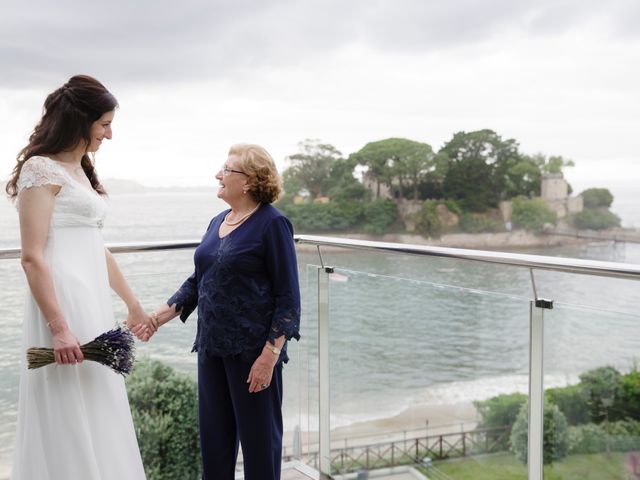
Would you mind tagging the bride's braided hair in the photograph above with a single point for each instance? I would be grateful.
(67, 116)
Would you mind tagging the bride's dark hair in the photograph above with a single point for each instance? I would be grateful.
(66, 121)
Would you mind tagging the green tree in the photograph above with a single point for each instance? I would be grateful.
(601, 387)
(628, 403)
(572, 403)
(553, 164)
(311, 166)
(397, 162)
(344, 186)
(522, 177)
(500, 411)
(597, 198)
(292, 185)
(555, 436)
(480, 166)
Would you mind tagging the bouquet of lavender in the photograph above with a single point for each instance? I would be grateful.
(114, 349)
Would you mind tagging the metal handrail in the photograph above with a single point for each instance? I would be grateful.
(8, 253)
(539, 262)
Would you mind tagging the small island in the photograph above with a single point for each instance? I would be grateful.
(477, 191)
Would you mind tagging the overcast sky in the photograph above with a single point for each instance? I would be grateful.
(194, 76)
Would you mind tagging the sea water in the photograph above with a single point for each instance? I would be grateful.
(405, 330)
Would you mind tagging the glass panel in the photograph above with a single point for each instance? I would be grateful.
(153, 276)
(13, 285)
(592, 381)
(298, 390)
(307, 391)
(409, 359)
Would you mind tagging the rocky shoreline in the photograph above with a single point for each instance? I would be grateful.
(516, 239)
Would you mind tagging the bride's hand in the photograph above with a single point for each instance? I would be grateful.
(136, 316)
(152, 323)
(66, 348)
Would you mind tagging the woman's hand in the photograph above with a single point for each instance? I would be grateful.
(66, 348)
(262, 371)
(142, 332)
(152, 323)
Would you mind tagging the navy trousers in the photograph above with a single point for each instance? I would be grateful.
(229, 415)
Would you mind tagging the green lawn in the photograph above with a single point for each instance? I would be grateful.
(506, 467)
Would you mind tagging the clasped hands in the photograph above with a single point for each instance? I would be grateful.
(142, 324)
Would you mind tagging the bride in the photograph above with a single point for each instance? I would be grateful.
(74, 420)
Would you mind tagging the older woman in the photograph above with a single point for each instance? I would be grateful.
(245, 286)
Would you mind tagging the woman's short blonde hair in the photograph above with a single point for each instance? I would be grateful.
(264, 179)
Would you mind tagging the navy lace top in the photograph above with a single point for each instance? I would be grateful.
(245, 286)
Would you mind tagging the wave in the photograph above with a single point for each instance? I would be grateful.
(384, 405)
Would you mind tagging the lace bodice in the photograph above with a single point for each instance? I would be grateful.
(245, 287)
(75, 204)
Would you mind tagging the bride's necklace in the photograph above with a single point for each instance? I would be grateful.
(241, 219)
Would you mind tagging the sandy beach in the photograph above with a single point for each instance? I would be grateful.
(417, 421)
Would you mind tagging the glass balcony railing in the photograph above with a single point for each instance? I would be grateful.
(153, 276)
(434, 359)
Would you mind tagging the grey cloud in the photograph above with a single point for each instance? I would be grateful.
(42, 42)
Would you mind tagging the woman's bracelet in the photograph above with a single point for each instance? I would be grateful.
(273, 349)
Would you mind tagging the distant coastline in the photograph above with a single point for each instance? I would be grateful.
(120, 186)
(514, 240)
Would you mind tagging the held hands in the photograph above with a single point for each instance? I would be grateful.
(141, 323)
(144, 325)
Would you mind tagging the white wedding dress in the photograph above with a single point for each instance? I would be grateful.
(74, 421)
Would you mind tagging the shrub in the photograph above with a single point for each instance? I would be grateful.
(590, 219)
(627, 405)
(332, 216)
(453, 206)
(618, 436)
(572, 402)
(532, 214)
(601, 387)
(597, 197)
(379, 215)
(164, 408)
(427, 220)
(479, 223)
(346, 215)
(499, 411)
(555, 444)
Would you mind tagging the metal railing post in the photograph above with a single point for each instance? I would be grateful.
(536, 387)
(323, 370)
